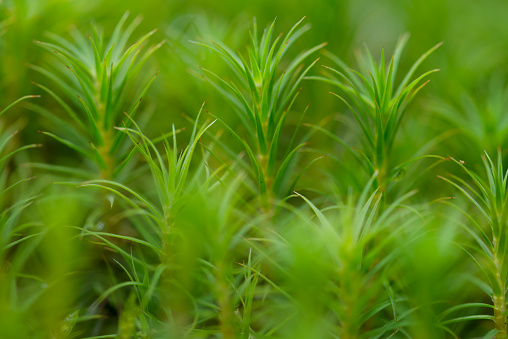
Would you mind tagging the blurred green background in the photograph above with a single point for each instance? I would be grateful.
(464, 110)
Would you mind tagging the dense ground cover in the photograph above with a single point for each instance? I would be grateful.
(185, 169)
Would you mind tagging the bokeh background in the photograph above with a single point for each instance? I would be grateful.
(463, 111)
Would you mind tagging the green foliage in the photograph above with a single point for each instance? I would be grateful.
(340, 272)
(490, 250)
(96, 92)
(262, 96)
(378, 105)
(16, 236)
(138, 221)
